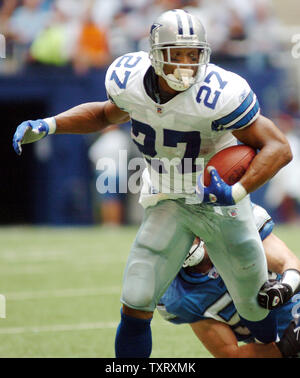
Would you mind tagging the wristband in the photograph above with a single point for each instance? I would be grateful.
(291, 277)
(238, 192)
(52, 124)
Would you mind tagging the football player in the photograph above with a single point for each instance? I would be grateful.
(198, 296)
(182, 109)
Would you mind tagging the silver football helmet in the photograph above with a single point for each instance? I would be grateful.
(195, 255)
(178, 29)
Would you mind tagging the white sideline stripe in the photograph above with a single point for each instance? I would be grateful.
(58, 328)
(20, 296)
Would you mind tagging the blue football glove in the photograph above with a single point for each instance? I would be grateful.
(29, 132)
(218, 192)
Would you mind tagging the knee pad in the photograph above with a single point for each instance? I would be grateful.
(139, 286)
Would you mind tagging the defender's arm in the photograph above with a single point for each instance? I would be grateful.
(279, 257)
(274, 294)
(220, 341)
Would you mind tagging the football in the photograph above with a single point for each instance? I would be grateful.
(231, 163)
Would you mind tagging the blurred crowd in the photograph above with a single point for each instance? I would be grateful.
(283, 191)
(91, 33)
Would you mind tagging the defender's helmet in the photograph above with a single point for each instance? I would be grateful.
(195, 255)
(178, 29)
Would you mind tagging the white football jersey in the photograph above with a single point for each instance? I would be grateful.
(178, 138)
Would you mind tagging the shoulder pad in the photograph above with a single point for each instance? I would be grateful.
(237, 105)
(121, 74)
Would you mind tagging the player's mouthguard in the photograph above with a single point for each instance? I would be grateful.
(184, 74)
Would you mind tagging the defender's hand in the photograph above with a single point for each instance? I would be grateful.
(274, 294)
(28, 132)
(289, 344)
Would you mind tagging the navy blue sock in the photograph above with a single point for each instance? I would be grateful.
(264, 330)
(133, 338)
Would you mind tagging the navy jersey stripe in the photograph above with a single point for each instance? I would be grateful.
(234, 114)
(247, 118)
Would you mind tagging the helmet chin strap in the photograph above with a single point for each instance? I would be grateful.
(181, 79)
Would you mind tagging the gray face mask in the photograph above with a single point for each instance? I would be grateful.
(177, 29)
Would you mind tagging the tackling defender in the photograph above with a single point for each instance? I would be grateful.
(182, 108)
(198, 296)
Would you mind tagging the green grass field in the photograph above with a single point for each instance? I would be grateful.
(62, 289)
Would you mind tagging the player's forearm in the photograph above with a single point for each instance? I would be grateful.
(82, 119)
(265, 165)
(274, 152)
(253, 350)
